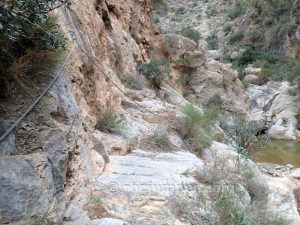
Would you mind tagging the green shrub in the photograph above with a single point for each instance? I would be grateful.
(187, 61)
(154, 71)
(19, 22)
(159, 138)
(227, 206)
(295, 71)
(255, 36)
(274, 8)
(236, 37)
(195, 127)
(107, 118)
(226, 58)
(156, 20)
(239, 130)
(227, 28)
(274, 67)
(190, 33)
(161, 3)
(268, 21)
(236, 11)
(183, 79)
(245, 83)
(96, 200)
(26, 27)
(212, 42)
(180, 10)
(248, 56)
(215, 100)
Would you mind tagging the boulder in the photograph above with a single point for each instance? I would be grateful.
(219, 78)
(253, 71)
(172, 96)
(176, 46)
(282, 133)
(254, 79)
(281, 200)
(272, 103)
(213, 65)
(213, 54)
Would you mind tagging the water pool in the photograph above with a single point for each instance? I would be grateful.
(278, 152)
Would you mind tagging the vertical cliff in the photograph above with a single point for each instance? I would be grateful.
(46, 150)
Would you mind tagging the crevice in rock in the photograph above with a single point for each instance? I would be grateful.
(267, 107)
(59, 115)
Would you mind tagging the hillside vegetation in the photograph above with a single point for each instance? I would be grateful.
(263, 32)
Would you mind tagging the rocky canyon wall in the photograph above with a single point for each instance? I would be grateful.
(38, 159)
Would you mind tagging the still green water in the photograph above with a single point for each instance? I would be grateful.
(278, 152)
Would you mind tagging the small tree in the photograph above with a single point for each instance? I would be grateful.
(190, 33)
(154, 71)
(26, 30)
(240, 131)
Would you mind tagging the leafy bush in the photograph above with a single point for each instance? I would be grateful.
(107, 118)
(295, 71)
(227, 28)
(195, 127)
(187, 61)
(226, 201)
(25, 26)
(154, 71)
(249, 56)
(228, 207)
(268, 21)
(162, 3)
(180, 10)
(215, 101)
(236, 37)
(183, 79)
(255, 36)
(17, 27)
(274, 67)
(191, 33)
(274, 8)
(212, 41)
(237, 10)
(159, 138)
(240, 131)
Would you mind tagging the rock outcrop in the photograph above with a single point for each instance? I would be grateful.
(273, 105)
(221, 79)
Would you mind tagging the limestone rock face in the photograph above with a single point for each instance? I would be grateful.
(32, 180)
(176, 46)
(54, 143)
(219, 78)
(21, 189)
(142, 184)
(273, 104)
